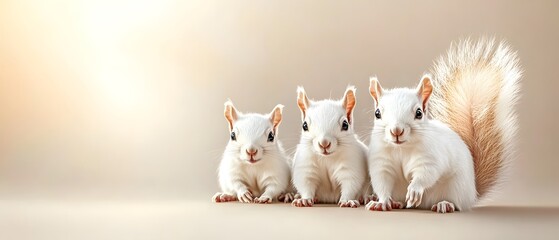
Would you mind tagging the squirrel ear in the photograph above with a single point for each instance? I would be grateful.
(302, 101)
(375, 88)
(424, 90)
(349, 102)
(231, 113)
(276, 115)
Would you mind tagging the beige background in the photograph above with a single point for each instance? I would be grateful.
(111, 118)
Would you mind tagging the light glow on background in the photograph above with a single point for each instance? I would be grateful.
(125, 97)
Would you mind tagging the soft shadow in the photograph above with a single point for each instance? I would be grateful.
(517, 211)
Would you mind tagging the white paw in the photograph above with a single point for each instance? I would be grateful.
(303, 202)
(286, 197)
(349, 203)
(384, 206)
(245, 197)
(223, 197)
(414, 196)
(366, 199)
(263, 199)
(443, 207)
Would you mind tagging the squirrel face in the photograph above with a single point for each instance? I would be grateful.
(400, 113)
(252, 135)
(327, 123)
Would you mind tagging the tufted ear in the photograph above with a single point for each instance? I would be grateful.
(375, 89)
(349, 102)
(424, 90)
(276, 115)
(302, 101)
(231, 114)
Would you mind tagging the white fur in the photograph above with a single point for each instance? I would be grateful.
(259, 181)
(432, 164)
(339, 177)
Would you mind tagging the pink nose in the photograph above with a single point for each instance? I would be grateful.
(251, 152)
(396, 132)
(324, 144)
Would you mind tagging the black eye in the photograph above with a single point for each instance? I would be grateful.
(377, 114)
(418, 114)
(233, 136)
(345, 125)
(271, 137)
(305, 127)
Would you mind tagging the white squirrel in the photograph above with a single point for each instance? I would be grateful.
(443, 146)
(254, 167)
(330, 163)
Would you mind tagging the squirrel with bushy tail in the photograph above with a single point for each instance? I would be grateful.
(446, 144)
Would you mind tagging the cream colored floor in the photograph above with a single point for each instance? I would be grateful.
(206, 220)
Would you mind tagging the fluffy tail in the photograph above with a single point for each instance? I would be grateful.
(476, 90)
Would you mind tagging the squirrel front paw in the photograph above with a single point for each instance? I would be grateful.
(303, 202)
(443, 207)
(223, 197)
(286, 197)
(263, 199)
(245, 197)
(414, 195)
(384, 206)
(366, 199)
(349, 203)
